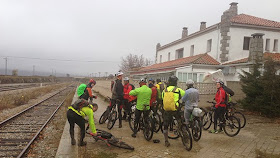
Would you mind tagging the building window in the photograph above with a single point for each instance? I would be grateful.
(209, 45)
(267, 45)
(180, 76)
(201, 77)
(195, 77)
(179, 53)
(185, 77)
(246, 43)
(160, 58)
(275, 46)
(192, 50)
(169, 56)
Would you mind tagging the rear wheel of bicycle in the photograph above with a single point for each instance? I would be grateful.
(157, 122)
(241, 118)
(231, 126)
(196, 129)
(207, 120)
(118, 143)
(112, 119)
(186, 137)
(148, 129)
(172, 130)
(103, 117)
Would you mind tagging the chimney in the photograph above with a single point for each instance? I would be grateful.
(158, 46)
(256, 47)
(233, 9)
(202, 25)
(185, 32)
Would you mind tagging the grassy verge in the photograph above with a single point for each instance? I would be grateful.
(22, 97)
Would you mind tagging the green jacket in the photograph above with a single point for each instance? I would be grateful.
(176, 95)
(143, 97)
(86, 111)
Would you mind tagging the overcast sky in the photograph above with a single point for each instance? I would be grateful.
(103, 30)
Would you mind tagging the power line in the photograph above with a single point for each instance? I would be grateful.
(68, 60)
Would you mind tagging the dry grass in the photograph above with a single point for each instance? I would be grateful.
(261, 154)
(22, 97)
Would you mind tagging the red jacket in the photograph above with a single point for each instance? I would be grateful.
(153, 96)
(126, 89)
(220, 98)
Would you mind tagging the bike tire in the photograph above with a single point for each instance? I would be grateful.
(186, 138)
(207, 120)
(241, 117)
(172, 130)
(148, 129)
(196, 129)
(117, 143)
(112, 118)
(131, 120)
(103, 118)
(157, 122)
(231, 123)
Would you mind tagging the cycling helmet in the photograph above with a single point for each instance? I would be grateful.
(151, 79)
(119, 73)
(126, 79)
(190, 82)
(92, 81)
(142, 80)
(220, 81)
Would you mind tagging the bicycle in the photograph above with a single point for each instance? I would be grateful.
(195, 124)
(104, 117)
(112, 117)
(109, 139)
(233, 111)
(145, 124)
(230, 125)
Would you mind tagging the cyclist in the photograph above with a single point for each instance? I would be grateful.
(220, 106)
(76, 114)
(191, 99)
(160, 86)
(143, 94)
(87, 92)
(127, 87)
(154, 96)
(168, 115)
(117, 95)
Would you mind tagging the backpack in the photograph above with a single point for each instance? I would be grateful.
(168, 100)
(228, 90)
(81, 89)
(79, 104)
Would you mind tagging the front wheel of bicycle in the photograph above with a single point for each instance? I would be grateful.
(186, 137)
(241, 118)
(118, 143)
(196, 129)
(112, 119)
(206, 120)
(148, 129)
(103, 117)
(231, 126)
(157, 122)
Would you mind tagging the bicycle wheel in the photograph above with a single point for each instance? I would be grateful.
(207, 120)
(103, 117)
(241, 118)
(173, 130)
(112, 119)
(196, 129)
(231, 126)
(186, 137)
(118, 143)
(157, 122)
(131, 120)
(148, 128)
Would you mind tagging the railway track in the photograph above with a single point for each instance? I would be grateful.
(20, 86)
(19, 131)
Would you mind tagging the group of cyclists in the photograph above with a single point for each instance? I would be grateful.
(167, 97)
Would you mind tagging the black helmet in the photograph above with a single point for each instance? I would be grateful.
(172, 80)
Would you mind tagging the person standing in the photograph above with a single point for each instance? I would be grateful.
(127, 87)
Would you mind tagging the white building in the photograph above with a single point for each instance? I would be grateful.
(224, 45)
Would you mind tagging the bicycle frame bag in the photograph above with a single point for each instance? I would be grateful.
(197, 112)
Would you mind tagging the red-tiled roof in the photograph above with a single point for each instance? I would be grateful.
(239, 61)
(197, 59)
(274, 56)
(252, 20)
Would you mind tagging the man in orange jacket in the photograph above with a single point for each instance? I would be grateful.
(127, 87)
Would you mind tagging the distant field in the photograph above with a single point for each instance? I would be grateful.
(25, 79)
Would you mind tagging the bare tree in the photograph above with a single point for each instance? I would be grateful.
(132, 62)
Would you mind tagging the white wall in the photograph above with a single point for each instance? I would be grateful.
(235, 76)
(237, 37)
(200, 46)
(193, 69)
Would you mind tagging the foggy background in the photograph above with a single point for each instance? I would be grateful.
(86, 37)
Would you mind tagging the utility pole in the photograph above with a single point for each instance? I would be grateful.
(6, 69)
(33, 70)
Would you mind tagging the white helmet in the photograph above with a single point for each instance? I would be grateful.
(119, 73)
(190, 82)
(126, 79)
